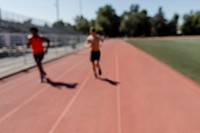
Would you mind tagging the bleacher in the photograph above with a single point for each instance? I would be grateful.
(16, 27)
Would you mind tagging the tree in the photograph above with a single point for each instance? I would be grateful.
(191, 25)
(134, 8)
(159, 24)
(196, 23)
(172, 25)
(46, 25)
(28, 22)
(69, 26)
(82, 24)
(92, 23)
(107, 21)
(59, 24)
(135, 22)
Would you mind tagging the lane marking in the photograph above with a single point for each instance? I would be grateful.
(69, 106)
(48, 67)
(14, 84)
(119, 129)
(43, 89)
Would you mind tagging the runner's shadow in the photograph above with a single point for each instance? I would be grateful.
(114, 83)
(59, 85)
(26, 71)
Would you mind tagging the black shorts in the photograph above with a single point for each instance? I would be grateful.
(38, 57)
(95, 56)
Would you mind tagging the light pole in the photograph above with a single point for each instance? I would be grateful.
(0, 13)
(80, 7)
(57, 10)
(0, 17)
(1, 24)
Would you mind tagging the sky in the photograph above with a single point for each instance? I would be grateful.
(69, 9)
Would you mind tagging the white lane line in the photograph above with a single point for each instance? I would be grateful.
(119, 129)
(67, 108)
(14, 84)
(35, 95)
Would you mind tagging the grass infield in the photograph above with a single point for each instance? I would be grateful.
(181, 54)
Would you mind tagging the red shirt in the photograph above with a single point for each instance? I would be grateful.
(36, 43)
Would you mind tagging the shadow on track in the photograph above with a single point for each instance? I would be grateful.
(114, 83)
(61, 84)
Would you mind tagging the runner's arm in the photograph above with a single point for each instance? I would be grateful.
(28, 44)
(101, 41)
(44, 39)
(88, 43)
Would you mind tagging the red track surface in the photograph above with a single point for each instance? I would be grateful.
(150, 97)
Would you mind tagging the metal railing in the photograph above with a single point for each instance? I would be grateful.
(15, 56)
(13, 17)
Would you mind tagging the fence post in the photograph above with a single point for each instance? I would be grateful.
(0, 20)
(56, 48)
(24, 49)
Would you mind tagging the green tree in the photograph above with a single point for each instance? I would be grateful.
(46, 25)
(92, 23)
(172, 25)
(28, 22)
(159, 24)
(187, 27)
(107, 21)
(59, 24)
(134, 8)
(69, 26)
(135, 22)
(191, 25)
(196, 23)
(82, 24)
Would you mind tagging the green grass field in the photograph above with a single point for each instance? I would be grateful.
(181, 54)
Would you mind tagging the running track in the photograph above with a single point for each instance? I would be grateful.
(137, 94)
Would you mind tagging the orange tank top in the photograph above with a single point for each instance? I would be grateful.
(36, 44)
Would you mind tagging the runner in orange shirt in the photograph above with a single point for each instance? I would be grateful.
(36, 42)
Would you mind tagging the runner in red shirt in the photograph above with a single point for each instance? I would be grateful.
(36, 42)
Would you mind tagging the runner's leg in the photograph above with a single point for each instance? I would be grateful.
(94, 69)
(98, 65)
